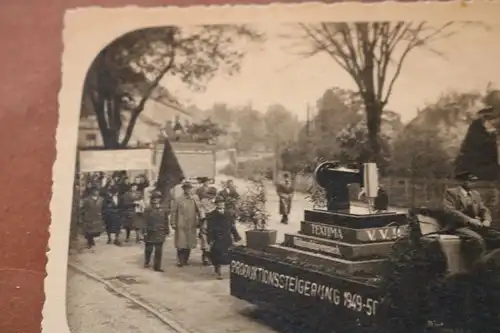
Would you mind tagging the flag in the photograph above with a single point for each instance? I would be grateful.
(170, 173)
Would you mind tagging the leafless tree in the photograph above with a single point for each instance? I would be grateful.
(373, 54)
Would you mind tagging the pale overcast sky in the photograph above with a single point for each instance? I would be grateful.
(271, 74)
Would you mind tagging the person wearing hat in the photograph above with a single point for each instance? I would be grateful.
(285, 192)
(201, 191)
(136, 198)
(142, 183)
(479, 151)
(177, 191)
(91, 217)
(219, 235)
(231, 198)
(112, 213)
(186, 215)
(207, 201)
(469, 216)
(157, 229)
(130, 218)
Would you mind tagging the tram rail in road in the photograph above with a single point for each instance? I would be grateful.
(172, 325)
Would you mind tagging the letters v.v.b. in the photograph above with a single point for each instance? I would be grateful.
(384, 233)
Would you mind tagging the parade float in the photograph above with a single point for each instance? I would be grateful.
(350, 269)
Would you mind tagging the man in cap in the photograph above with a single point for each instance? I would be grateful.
(185, 217)
(479, 152)
(470, 218)
(157, 228)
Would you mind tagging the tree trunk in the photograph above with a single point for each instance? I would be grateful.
(373, 117)
(373, 106)
(98, 88)
(113, 131)
(130, 127)
(108, 138)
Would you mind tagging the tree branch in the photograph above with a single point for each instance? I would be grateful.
(414, 42)
(338, 54)
(345, 32)
(320, 46)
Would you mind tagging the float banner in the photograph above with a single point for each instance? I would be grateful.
(355, 221)
(318, 298)
(348, 235)
(339, 249)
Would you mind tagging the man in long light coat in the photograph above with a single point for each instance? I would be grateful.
(186, 216)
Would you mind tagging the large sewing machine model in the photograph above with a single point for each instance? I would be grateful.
(351, 268)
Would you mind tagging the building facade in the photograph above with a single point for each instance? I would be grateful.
(160, 109)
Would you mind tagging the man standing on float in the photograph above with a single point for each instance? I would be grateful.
(480, 150)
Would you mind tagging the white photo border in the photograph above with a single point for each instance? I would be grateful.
(83, 41)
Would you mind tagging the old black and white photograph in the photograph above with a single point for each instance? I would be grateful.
(281, 176)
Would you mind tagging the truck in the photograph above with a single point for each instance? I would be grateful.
(350, 269)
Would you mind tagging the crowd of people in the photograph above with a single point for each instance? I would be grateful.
(196, 211)
(112, 204)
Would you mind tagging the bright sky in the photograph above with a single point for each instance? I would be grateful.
(272, 74)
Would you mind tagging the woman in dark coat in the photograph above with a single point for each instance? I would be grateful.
(219, 235)
(91, 218)
(112, 213)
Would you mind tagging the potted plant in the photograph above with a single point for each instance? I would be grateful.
(317, 196)
(252, 211)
